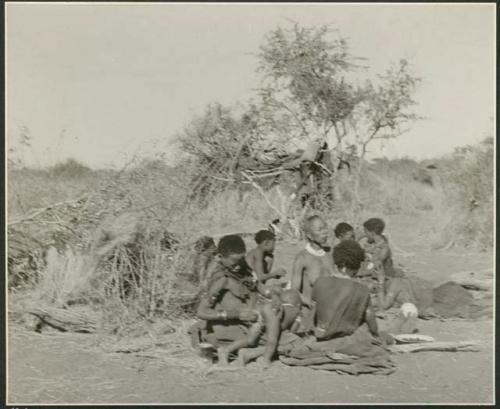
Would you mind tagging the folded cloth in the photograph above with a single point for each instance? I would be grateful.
(361, 353)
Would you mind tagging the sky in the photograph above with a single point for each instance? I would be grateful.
(104, 82)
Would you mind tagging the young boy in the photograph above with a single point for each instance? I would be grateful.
(378, 247)
(314, 261)
(261, 258)
(344, 231)
(379, 266)
(289, 321)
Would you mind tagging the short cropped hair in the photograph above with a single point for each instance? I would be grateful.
(264, 235)
(342, 228)
(231, 244)
(309, 220)
(348, 254)
(374, 225)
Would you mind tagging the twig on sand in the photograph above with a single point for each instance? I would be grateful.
(463, 346)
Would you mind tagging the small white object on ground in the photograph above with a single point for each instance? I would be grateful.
(409, 309)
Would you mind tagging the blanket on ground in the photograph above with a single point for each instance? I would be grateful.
(354, 354)
(448, 300)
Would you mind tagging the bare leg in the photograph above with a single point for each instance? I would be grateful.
(251, 340)
(272, 321)
(245, 355)
(224, 352)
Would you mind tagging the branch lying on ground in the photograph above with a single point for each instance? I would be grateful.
(472, 346)
(66, 320)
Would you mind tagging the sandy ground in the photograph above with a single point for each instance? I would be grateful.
(69, 368)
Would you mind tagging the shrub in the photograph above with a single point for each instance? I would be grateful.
(467, 179)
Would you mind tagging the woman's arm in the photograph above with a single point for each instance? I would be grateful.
(370, 319)
(297, 273)
(257, 264)
(206, 310)
(387, 301)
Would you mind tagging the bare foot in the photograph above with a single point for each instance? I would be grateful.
(264, 363)
(223, 356)
(242, 358)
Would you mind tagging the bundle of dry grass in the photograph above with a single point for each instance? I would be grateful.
(65, 276)
(116, 231)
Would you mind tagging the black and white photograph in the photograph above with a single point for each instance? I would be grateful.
(250, 203)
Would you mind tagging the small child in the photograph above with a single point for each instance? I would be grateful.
(344, 231)
(288, 320)
(261, 259)
(377, 248)
(389, 279)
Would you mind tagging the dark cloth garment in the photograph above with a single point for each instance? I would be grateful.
(452, 300)
(353, 354)
(449, 300)
(340, 305)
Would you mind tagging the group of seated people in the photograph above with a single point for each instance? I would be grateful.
(247, 308)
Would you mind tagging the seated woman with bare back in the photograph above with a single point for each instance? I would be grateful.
(341, 303)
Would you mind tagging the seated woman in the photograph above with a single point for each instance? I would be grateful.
(342, 304)
(228, 306)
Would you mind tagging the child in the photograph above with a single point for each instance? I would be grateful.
(268, 319)
(344, 231)
(289, 320)
(378, 247)
(261, 258)
(398, 288)
(378, 264)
